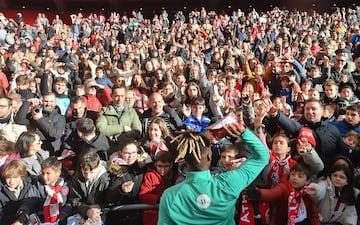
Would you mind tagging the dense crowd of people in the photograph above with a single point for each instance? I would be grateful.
(116, 110)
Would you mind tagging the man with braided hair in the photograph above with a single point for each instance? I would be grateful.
(205, 199)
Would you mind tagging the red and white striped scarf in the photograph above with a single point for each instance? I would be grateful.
(141, 100)
(156, 147)
(294, 202)
(53, 202)
(279, 169)
(232, 96)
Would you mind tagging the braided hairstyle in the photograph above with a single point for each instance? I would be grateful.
(192, 146)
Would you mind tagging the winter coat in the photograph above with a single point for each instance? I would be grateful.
(328, 140)
(92, 102)
(50, 127)
(12, 208)
(150, 192)
(121, 174)
(99, 144)
(66, 208)
(111, 124)
(81, 199)
(71, 137)
(345, 127)
(33, 166)
(279, 195)
(326, 199)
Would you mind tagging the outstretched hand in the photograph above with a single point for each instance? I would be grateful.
(269, 107)
(310, 189)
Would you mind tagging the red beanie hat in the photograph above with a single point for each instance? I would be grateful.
(306, 133)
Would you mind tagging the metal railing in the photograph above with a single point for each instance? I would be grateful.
(135, 206)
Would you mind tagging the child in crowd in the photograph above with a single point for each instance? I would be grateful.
(280, 102)
(280, 161)
(232, 95)
(127, 169)
(305, 151)
(304, 92)
(131, 98)
(87, 195)
(351, 120)
(347, 97)
(286, 90)
(291, 203)
(101, 77)
(180, 81)
(231, 156)
(29, 147)
(22, 87)
(34, 88)
(329, 112)
(331, 90)
(62, 99)
(157, 138)
(79, 90)
(142, 93)
(335, 196)
(196, 121)
(314, 93)
(53, 191)
(169, 95)
(192, 92)
(156, 180)
(19, 197)
(317, 77)
(352, 140)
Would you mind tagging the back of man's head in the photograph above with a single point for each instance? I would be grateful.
(195, 149)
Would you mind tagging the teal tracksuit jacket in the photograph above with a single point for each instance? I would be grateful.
(206, 200)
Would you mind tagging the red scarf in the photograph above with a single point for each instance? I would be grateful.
(156, 147)
(279, 169)
(232, 96)
(247, 216)
(53, 202)
(294, 202)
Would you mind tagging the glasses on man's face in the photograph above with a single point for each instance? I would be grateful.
(340, 60)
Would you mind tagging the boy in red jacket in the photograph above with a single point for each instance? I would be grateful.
(289, 196)
(156, 180)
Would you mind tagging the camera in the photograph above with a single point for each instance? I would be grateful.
(37, 108)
